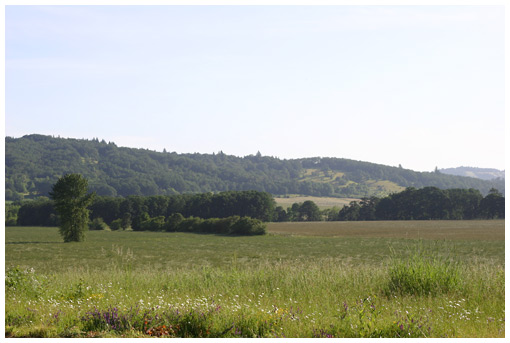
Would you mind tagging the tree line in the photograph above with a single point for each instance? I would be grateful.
(138, 212)
(427, 203)
(154, 212)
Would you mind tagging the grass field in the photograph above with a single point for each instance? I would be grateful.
(389, 279)
(321, 202)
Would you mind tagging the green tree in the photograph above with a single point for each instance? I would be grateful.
(309, 211)
(71, 201)
(493, 205)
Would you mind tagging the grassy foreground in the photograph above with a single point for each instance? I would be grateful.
(141, 284)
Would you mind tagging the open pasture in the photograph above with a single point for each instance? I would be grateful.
(321, 202)
(300, 280)
(480, 230)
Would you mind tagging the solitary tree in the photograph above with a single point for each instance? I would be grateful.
(71, 201)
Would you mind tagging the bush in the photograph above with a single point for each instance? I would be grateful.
(116, 225)
(172, 222)
(234, 225)
(248, 226)
(190, 224)
(208, 226)
(154, 224)
(98, 224)
(126, 221)
(136, 223)
(224, 225)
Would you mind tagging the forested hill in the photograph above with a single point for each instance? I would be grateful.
(33, 163)
(480, 173)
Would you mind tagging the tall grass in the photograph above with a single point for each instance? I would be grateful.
(318, 299)
(269, 286)
(424, 272)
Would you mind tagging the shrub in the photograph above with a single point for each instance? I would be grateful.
(136, 223)
(172, 222)
(208, 226)
(224, 225)
(154, 224)
(217, 225)
(126, 221)
(233, 225)
(189, 224)
(248, 226)
(98, 224)
(116, 225)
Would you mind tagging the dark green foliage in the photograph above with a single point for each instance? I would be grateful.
(116, 225)
(301, 212)
(464, 203)
(280, 215)
(246, 226)
(126, 221)
(139, 212)
(350, 212)
(427, 203)
(191, 224)
(137, 224)
(40, 212)
(173, 222)
(98, 224)
(153, 224)
(71, 200)
(493, 205)
(33, 164)
(11, 213)
(308, 211)
(106, 208)
(233, 225)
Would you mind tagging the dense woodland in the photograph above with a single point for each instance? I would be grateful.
(34, 163)
(221, 212)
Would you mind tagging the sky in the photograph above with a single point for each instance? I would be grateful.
(419, 86)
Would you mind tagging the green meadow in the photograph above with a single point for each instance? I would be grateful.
(372, 279)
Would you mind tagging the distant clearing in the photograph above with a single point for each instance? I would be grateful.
(430, 229)
(322, 202)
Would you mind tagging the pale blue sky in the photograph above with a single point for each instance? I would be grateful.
(421, 86)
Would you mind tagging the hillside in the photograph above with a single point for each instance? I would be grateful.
(480, 173)
(33, 163)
